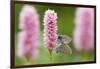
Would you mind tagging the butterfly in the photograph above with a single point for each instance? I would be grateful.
(63, 47)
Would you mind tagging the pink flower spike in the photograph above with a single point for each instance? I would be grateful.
(28, 37)
(84, 29)
(27, 16)
(50, 29)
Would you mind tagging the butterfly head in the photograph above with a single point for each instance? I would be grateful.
(60, 37)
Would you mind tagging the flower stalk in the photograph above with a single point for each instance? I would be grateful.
(50, 30)
(84, 30)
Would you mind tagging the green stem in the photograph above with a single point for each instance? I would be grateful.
(84, 56)
(50, 56)
(27, 62)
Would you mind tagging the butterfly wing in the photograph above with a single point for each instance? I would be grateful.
(63, 49)
(66, 50)
(57, 48)
(66, 39)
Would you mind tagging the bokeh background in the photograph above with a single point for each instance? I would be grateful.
(65, 22)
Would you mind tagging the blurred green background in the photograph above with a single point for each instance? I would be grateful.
(65, 22)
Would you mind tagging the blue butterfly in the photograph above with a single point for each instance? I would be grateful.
(63, 46)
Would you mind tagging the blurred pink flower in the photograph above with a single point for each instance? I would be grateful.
(84, 29)
(28, 37)
(28, 18)
(50, 29)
